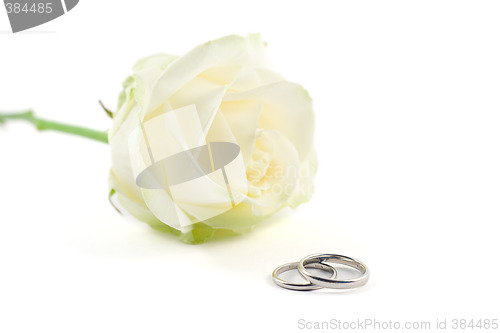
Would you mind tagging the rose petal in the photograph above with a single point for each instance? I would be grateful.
(229, 51)
(286, 108)
(280, 178)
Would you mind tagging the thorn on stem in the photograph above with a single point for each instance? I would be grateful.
(108, 112)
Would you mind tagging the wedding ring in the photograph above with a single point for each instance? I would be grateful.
(301, 286)
(332, 282)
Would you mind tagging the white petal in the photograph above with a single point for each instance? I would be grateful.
(228, 51)
(129, 202)
(205, 95)
(120, 157)
(160, 61)
(166, 210)
(286, 108)
(135, 87)
(305, 189)
(281, 178)
(242, 118)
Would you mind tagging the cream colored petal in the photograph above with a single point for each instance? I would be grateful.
(240, 78)
(281, 178)
(305, 190)
(160, 61)
(120, 157)
(239, 219)
(125, 203)
(205, 95)
(126, 103)
(166, 210)
(229, 51)
(286, 108)
(242, 118)
(135, 87)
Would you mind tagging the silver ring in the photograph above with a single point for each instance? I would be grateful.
(331, 282)
(300, 286)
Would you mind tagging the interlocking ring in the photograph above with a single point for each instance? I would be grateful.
(322, 262)
(300, 286)
(332, 282)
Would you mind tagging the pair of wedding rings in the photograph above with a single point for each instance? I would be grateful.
(322, 261)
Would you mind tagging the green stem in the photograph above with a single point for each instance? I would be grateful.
(43, 125)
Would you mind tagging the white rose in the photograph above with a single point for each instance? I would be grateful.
(229, 85)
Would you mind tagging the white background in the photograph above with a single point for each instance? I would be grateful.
(407, 108)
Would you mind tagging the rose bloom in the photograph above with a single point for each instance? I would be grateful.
(238, 98)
